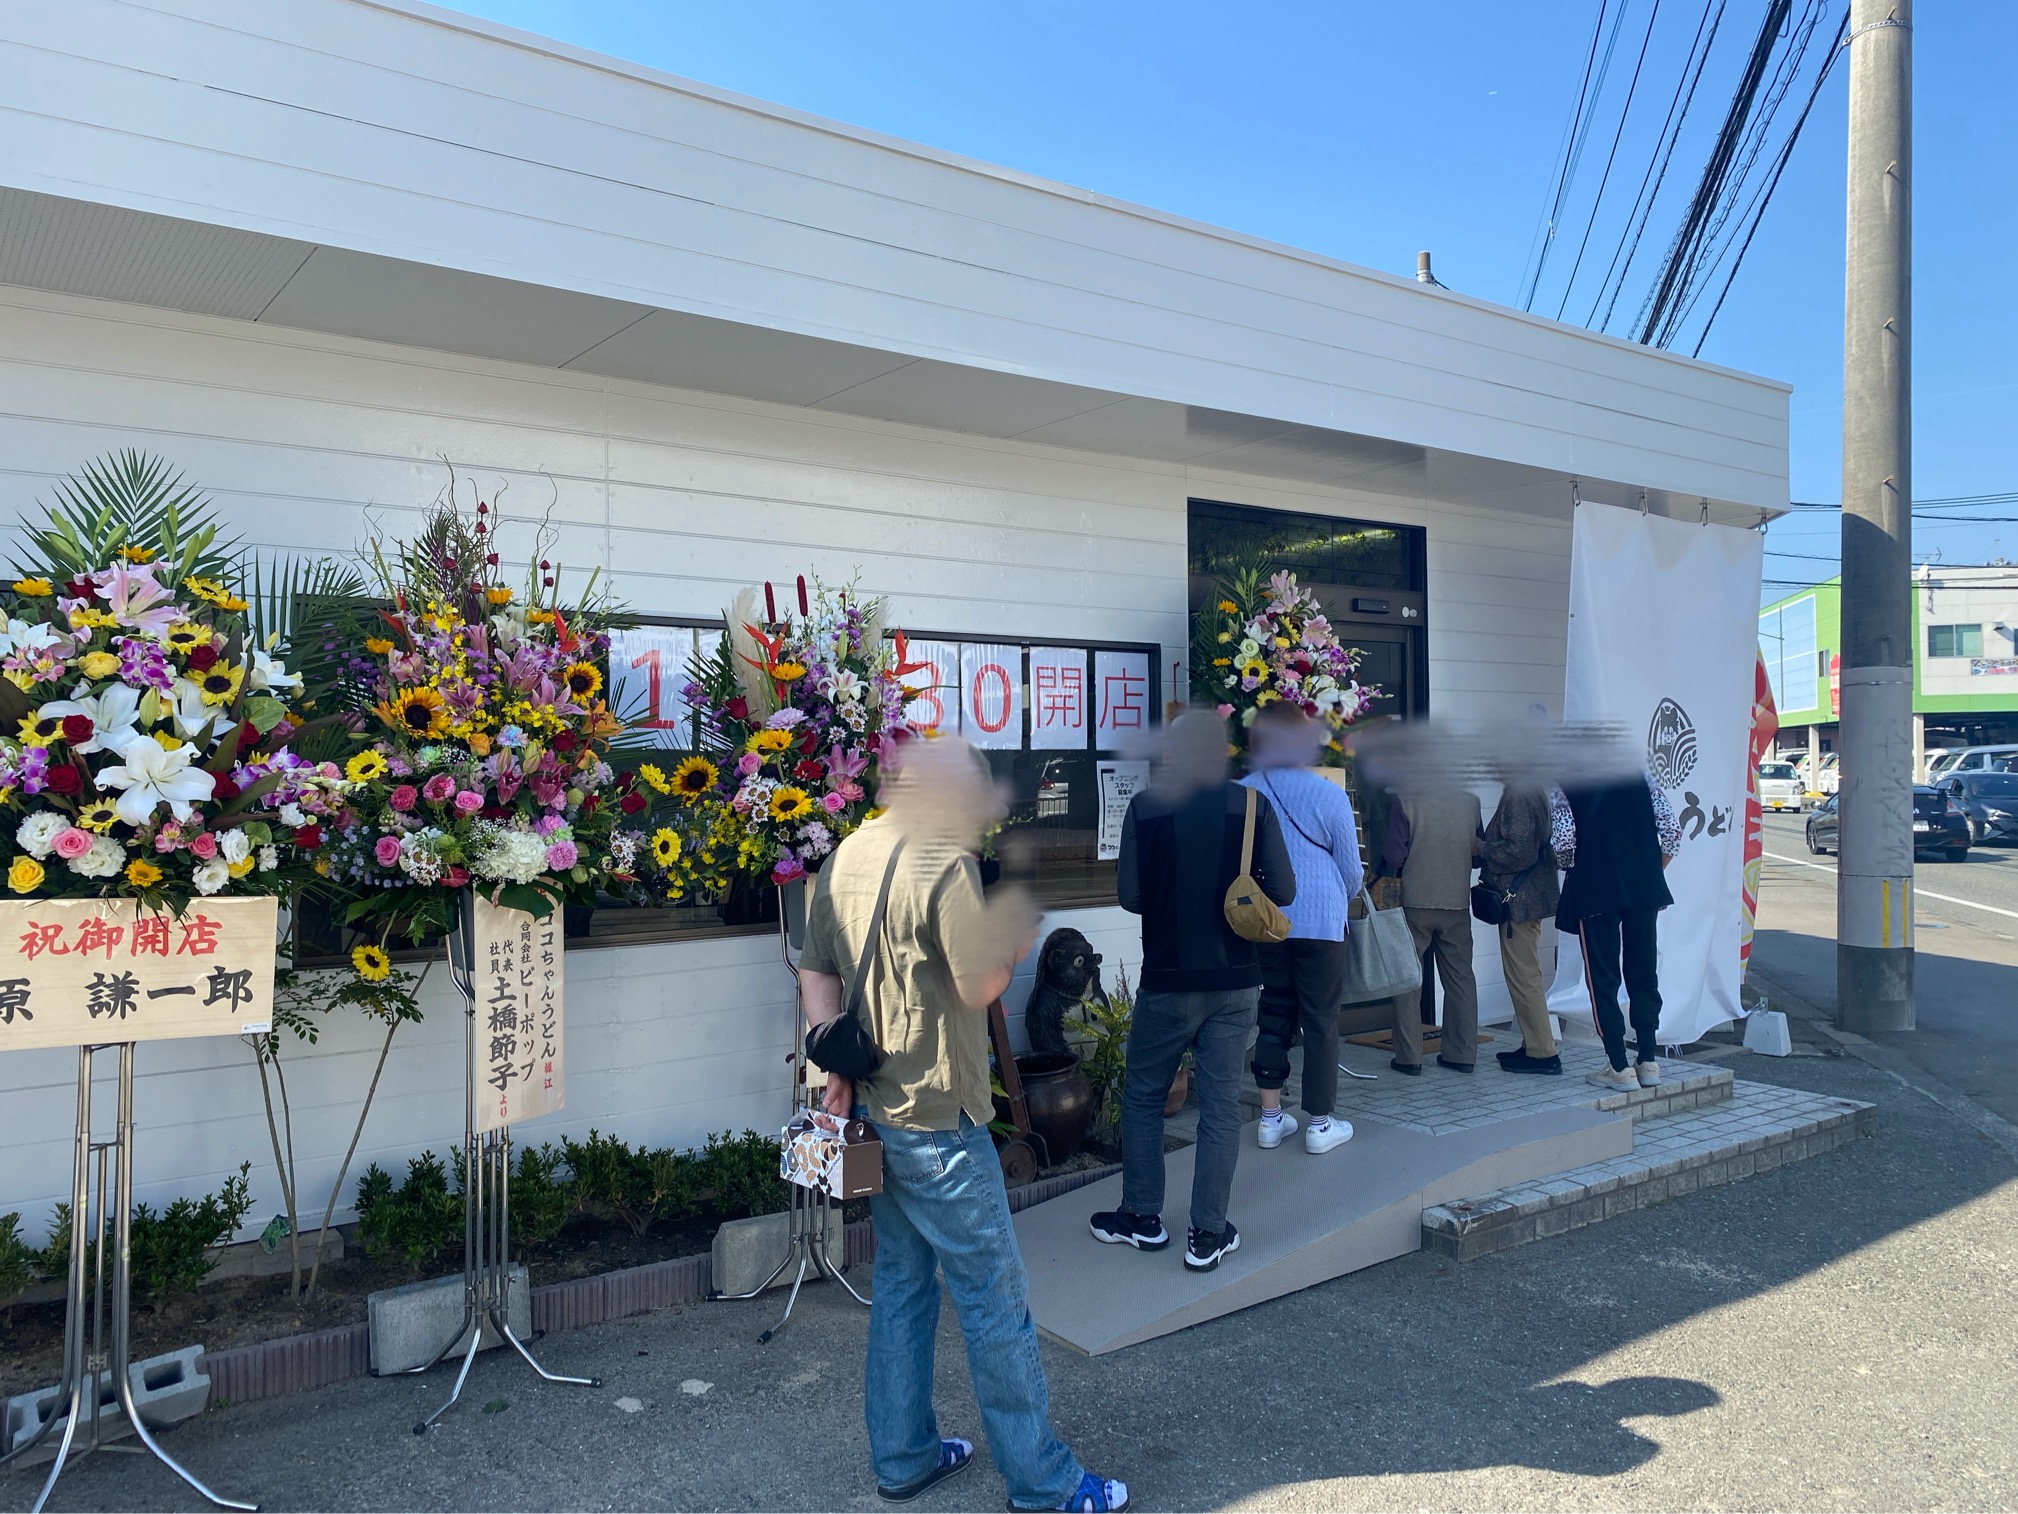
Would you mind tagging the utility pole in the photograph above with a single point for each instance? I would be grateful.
(1874, 886)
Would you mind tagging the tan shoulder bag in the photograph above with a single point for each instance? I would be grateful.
(1250, 913)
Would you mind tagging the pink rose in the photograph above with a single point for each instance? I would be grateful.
(72, 843)
(387, 851)
(1225, 710)
(405, 797)
(561, 856)
(748, 763)
(439, 787)
(204, 845)
(833, 804)
(468, 802)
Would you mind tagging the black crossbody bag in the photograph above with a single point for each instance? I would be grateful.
(843, 1046)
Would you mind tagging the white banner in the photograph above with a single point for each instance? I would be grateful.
(1058, 703)
(991, 694)
(519, 1030)
(1121, 685)
(1663, 644)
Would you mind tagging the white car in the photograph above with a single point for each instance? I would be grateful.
(1780, 787)
(1830, 778)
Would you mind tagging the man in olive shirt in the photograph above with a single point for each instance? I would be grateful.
(942, 955)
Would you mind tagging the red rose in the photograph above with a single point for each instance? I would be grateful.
(248, 737)
(564, 742)
(630, 804)
(65, 780)
(222, 788)
(737, 708)
(492, 812)
(76, 729)
(308, 837)
(810, 770)
(80, 588)
(202, 659)
(589, 804)
(810, 742)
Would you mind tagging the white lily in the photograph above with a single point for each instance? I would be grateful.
(25, 635)
(113, 715)
(193, 718)
(269, 673)
(152, 777)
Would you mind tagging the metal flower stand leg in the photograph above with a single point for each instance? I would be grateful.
(809, 1218)
(486, 1208)
(95, 1374)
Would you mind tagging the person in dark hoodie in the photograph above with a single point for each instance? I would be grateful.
(1624, 837)
(1201, 983)
(1518, 861)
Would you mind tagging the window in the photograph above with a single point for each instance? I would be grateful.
(1955, 641)
(1787, 642)
(1318, 549)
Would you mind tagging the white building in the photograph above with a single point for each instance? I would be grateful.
(306, 252)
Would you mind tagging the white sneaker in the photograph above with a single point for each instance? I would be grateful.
(1650, 1073)
(1319, 1139)
(1620, 1078)
(1272, 1133)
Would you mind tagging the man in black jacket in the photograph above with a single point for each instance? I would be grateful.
(1516, 860)
(1180, 850)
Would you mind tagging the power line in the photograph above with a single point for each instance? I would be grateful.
(1572, 146)
(1605, 178)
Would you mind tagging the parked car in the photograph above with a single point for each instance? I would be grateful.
(1780, 787)
(1830, 776)
(1971, 759)
(1989, 803)
(1939, 826)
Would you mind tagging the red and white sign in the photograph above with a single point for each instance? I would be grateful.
(991, 694)
(1121, 689)
(648, 668)
(934, 683)
(520, 1035)
(1060, 702)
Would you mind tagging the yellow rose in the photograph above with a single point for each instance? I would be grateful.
(98, 665)
(239, 868)
(25, 875)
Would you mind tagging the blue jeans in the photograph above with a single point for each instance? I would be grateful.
(943, 1208)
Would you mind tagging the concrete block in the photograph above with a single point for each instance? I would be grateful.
(167, 1389)
(748, 1251)
(1554, 1221)
(250, 1259)
(1766, 1033)
(411, 1323)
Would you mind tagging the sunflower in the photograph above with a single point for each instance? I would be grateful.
(654, 779)
(138, 554)
(497, 594)
(371, 962)
(414, 712)
(583, 680)
(1228, 607)
(1222, 662)
(767, 742)
(184, 638)
(665, 846)
(219, 683)
(790, 803)
(364, 767)
(142, 873)
(693, 778)
(378, 646)
(40, 730)
(98, 815)
(1254, 667)
(788, 672)
(34, 588)
(208, 590)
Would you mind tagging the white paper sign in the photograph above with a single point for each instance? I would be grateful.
(1121, 687)
(991, 694)
(935, 681)
(519, 1030)
(1663, 643)
(648, 668)
(1060, 708)
(1119, 783)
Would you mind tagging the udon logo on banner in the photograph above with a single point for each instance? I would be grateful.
(1671, 758)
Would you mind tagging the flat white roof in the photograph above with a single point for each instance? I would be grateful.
(409, 174)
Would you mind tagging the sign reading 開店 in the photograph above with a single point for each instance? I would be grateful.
(518, 1015)
(89, 972)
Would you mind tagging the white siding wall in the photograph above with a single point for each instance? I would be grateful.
(682, 498)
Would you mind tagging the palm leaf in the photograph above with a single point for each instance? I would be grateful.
(126, 499)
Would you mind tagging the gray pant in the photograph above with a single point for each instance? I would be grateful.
(1449, 931)
(1214, 1026)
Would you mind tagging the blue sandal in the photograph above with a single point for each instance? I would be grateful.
(1095, 1495)
(954, 1454)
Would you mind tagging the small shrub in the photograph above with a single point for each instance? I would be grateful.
(543, 1194)
(19, 1262)
(416, 1220)
(170, 1251)
(740, 1174)
(636, 1186)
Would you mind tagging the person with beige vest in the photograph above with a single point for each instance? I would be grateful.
(1432, 841)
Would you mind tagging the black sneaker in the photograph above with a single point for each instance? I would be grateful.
(1203, 1251)
(1520, 1061)
(1407, 1069)
(1118, 1227)
(1444, 1061)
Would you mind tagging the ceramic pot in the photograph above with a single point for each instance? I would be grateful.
(1060, 1100)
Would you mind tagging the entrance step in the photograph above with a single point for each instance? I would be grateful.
(1754, 1128)
(1303, 1219)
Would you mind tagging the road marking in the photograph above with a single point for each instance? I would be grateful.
(2009, 914)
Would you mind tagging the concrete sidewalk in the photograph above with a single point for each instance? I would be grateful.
(1836, 1334)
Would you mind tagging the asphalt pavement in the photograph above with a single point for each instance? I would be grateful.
(1965, 957)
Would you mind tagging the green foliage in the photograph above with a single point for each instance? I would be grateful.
(1100, 1036)
(633, 1185)
(544, 1196)
(416, 1220)
(169, 1252)
(19, 1262)
(126, 499)
(740, 1174)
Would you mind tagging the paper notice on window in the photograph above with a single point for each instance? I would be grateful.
(1119, 783)
(1121, 685)
(991, 695)
(933, 682)
(648, 668)
(1060, 712)
(519, 1033)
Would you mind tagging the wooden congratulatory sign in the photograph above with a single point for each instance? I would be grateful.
(93, 972)
(517, 982)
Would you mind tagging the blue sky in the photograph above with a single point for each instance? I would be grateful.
(1366, 131)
